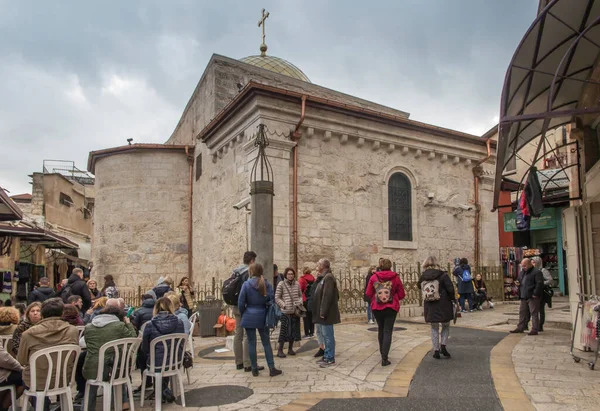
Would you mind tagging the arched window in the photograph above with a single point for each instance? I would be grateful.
(400, 213)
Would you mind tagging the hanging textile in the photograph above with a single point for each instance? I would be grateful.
(522, 214)
(533, 193)
(16, 276)
(589, 336)
(6, 282)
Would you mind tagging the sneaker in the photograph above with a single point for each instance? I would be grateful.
(168, 396)
(259, 368)
(327, 364)
(436, 355)
(274, 372)
(371, 322)
(320, 353)
(480, 308)
(321, 361)
(491, 304)
(463, 311)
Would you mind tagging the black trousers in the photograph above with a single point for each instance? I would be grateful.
(309, 326)
(385, 324)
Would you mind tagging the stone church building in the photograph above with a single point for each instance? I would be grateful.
(368, 182)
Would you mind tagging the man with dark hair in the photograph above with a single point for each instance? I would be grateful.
(76, 286)
(77, 302)
(41, 293)
(240, 340)
(277, 276)
(145, 312)
(49, 332)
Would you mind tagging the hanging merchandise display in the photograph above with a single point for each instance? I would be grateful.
(6, 282)
(533, 193)
(589, 307)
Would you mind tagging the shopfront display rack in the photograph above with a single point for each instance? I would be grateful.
(585, 299)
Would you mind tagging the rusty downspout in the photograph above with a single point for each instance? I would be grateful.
(477, 170)
(296, 138)
(190, 159)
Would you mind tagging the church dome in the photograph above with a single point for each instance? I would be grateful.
(277, 65)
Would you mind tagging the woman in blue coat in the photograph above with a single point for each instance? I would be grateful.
(255, 296)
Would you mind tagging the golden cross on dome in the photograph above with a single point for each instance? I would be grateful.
(261, 23)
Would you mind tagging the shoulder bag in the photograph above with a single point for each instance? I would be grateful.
(299, 310)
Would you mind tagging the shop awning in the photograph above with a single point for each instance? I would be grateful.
(38, 236)
(9, 211)
(546, 77)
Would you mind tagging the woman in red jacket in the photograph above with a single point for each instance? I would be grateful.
(385, 290)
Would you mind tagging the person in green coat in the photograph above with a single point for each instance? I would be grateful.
(110, 325)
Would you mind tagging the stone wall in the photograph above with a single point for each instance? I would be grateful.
(141, 217)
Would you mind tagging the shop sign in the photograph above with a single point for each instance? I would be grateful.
(545, 221)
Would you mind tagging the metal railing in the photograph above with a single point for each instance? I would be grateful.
(351, 285)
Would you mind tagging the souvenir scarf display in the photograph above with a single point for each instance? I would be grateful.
(589, 331)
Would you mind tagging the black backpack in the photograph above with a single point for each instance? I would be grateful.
(66, 292)
(233, 285)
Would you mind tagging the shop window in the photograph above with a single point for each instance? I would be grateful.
(198, 166)
(65, 200)
(399, 208)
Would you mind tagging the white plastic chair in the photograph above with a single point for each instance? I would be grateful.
(124, 351)
(80, 329)
(13, 395)
(142, 328)
(58, 379)
(171, 366)
(193, 321)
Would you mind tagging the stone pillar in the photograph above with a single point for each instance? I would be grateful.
(261, 237)
(261, 193)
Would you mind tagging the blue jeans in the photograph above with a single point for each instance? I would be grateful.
(329, 338)
(469, 297)
(370, 313)
(264, 337)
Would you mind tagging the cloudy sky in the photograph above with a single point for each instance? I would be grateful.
(79, 76)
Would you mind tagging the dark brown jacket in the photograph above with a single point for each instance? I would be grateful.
(325, 307)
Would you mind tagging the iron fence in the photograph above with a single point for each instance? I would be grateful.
(351, 285)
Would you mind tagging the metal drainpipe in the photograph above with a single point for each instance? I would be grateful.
(476, 175)
(190, 158)
(296, 137)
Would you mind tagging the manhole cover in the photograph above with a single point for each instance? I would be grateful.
(215, 395)
(395, 329)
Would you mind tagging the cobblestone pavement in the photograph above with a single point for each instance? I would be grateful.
(542, 365)
(358, 368)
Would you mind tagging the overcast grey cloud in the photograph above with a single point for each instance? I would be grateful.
(80, 76)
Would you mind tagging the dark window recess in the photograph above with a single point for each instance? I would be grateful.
(65, 200)
(198, 166)
(399, 208)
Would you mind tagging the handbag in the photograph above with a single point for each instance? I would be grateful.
(299, 310)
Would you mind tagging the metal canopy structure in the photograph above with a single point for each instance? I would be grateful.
(36, 235)
(9, 211)
(546, 77)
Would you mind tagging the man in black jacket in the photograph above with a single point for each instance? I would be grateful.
(531, 286)
(144, 313)
(42, 293)
(76, 286)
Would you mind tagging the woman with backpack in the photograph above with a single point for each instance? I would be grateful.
(255, 296)
(372, 269)
(385, 290)
(306, 284)
(464, 284)
(288, 297)
(110, 288)
(438, 303)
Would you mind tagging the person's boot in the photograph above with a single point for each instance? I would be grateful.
(280, 352)
(274, 372)
(445, 352)
(436, 355)
(291, 349)
(319, 353)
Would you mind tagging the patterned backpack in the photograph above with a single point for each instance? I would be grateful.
(430, 290)
(383, 291)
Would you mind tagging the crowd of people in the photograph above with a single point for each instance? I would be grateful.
(52, 317)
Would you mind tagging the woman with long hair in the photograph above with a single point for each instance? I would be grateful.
(71, 315)
(33, 314)
(110, 288)
(287, 296)
(385, 291)
(99, 304)
(438, 303)
(186, 292)
(94, 291)
(255, 297)
(164, 322)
